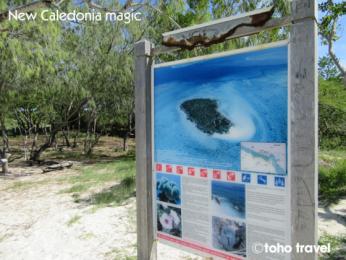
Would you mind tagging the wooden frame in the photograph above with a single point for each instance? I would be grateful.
(303, 126)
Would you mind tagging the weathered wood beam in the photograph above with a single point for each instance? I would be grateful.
(220, 30)
(239, 32)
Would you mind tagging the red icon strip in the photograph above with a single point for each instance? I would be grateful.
(169, 168)
(191, 171)
(203, 173)
(159, 167)
(216, 174)
(180, 169)
(231, 176)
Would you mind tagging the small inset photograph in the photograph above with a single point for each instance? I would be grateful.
(168, 188)
(229, 235)
(228, 199)
(169, 220)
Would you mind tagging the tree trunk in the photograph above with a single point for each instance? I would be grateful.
(125, 141)
(26, 153)
(330, 40)
(76, 136)
(127, 133)
(66, 136)
(36, 154)
(5, 142)
(92, 137)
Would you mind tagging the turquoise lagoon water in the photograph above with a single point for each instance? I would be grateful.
(251, 91)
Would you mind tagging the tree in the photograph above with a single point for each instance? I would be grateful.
(55, 76)
(328, 30)
(24, 58)
(327, 68)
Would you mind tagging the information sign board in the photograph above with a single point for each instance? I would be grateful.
(221, 152)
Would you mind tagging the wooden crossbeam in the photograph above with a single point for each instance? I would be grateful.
(223, 29)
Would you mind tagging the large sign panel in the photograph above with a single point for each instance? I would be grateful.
(221, 164)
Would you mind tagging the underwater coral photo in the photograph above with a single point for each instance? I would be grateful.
(169, 220)
(229, 235)
(168, 188)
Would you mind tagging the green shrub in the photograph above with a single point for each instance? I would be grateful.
(337, 246)
(332, 114)
(332, 127)
(332, 182)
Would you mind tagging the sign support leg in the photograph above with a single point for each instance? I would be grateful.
(145, 235)
(304, 116)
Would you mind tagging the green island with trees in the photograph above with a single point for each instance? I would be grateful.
(204, 113)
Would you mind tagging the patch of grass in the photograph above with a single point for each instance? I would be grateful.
(120, 171)
(25, 185)
(87, 236)
(120, 254)
(75, 219)
(101, 173)
(3, 237)
(332, 156)
(76, 197)
(337, 245)
(332, 182)
(115, 195)
(76, 188)
(130, 257)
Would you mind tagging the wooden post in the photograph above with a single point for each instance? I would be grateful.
(145, 234)
(304, 116)
(4, 163)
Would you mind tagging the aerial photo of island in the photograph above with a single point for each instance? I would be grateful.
(204, 109)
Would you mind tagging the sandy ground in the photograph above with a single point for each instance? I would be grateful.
(332, 220)
(41, 222)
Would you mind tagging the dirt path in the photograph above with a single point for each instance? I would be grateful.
(39, 221)
(332, 220)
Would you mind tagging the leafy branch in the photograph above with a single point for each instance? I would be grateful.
(328, 30)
